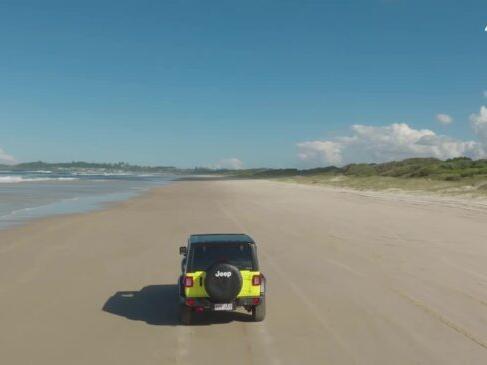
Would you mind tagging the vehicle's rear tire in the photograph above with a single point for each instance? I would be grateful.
(186, 315)
(258, 312)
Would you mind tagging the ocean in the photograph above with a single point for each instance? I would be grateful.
(34, 194)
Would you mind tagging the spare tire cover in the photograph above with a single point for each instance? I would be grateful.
(223, 282)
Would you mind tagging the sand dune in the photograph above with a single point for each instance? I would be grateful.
(351, 279)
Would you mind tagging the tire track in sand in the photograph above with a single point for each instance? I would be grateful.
(261, 330)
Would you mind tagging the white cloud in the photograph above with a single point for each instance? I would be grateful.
(323, 151)
(479, 124)
(444, 118)
(5, 158)
(229, 163)
(379, 144)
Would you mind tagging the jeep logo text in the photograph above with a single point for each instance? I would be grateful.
(226, 274)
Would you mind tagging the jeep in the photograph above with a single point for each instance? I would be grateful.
(220, 272)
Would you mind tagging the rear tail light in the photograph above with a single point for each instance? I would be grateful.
(190, 301)
(255, 301)
(188, 281)
(256, 280)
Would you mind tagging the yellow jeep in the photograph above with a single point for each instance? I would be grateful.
(220, 272)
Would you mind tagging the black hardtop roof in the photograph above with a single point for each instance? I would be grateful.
(220, 238)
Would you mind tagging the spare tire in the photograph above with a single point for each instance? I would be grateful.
(223, 282)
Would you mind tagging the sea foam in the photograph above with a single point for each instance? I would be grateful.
(20, 179)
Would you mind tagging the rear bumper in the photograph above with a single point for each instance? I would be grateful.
(208, 305)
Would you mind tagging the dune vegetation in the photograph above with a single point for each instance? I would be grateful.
(454, 176)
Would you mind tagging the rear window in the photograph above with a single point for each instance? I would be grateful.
(202, 256)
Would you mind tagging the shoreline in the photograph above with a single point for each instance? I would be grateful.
(30, 226)
(73, 205)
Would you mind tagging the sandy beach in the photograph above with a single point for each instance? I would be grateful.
(352, 279)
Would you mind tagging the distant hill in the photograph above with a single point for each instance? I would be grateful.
(450, 170)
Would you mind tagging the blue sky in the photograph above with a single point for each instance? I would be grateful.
(196, 83)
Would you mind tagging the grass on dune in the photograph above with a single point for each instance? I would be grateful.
(458, 176)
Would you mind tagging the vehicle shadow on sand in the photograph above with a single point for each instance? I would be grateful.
(158, 305)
